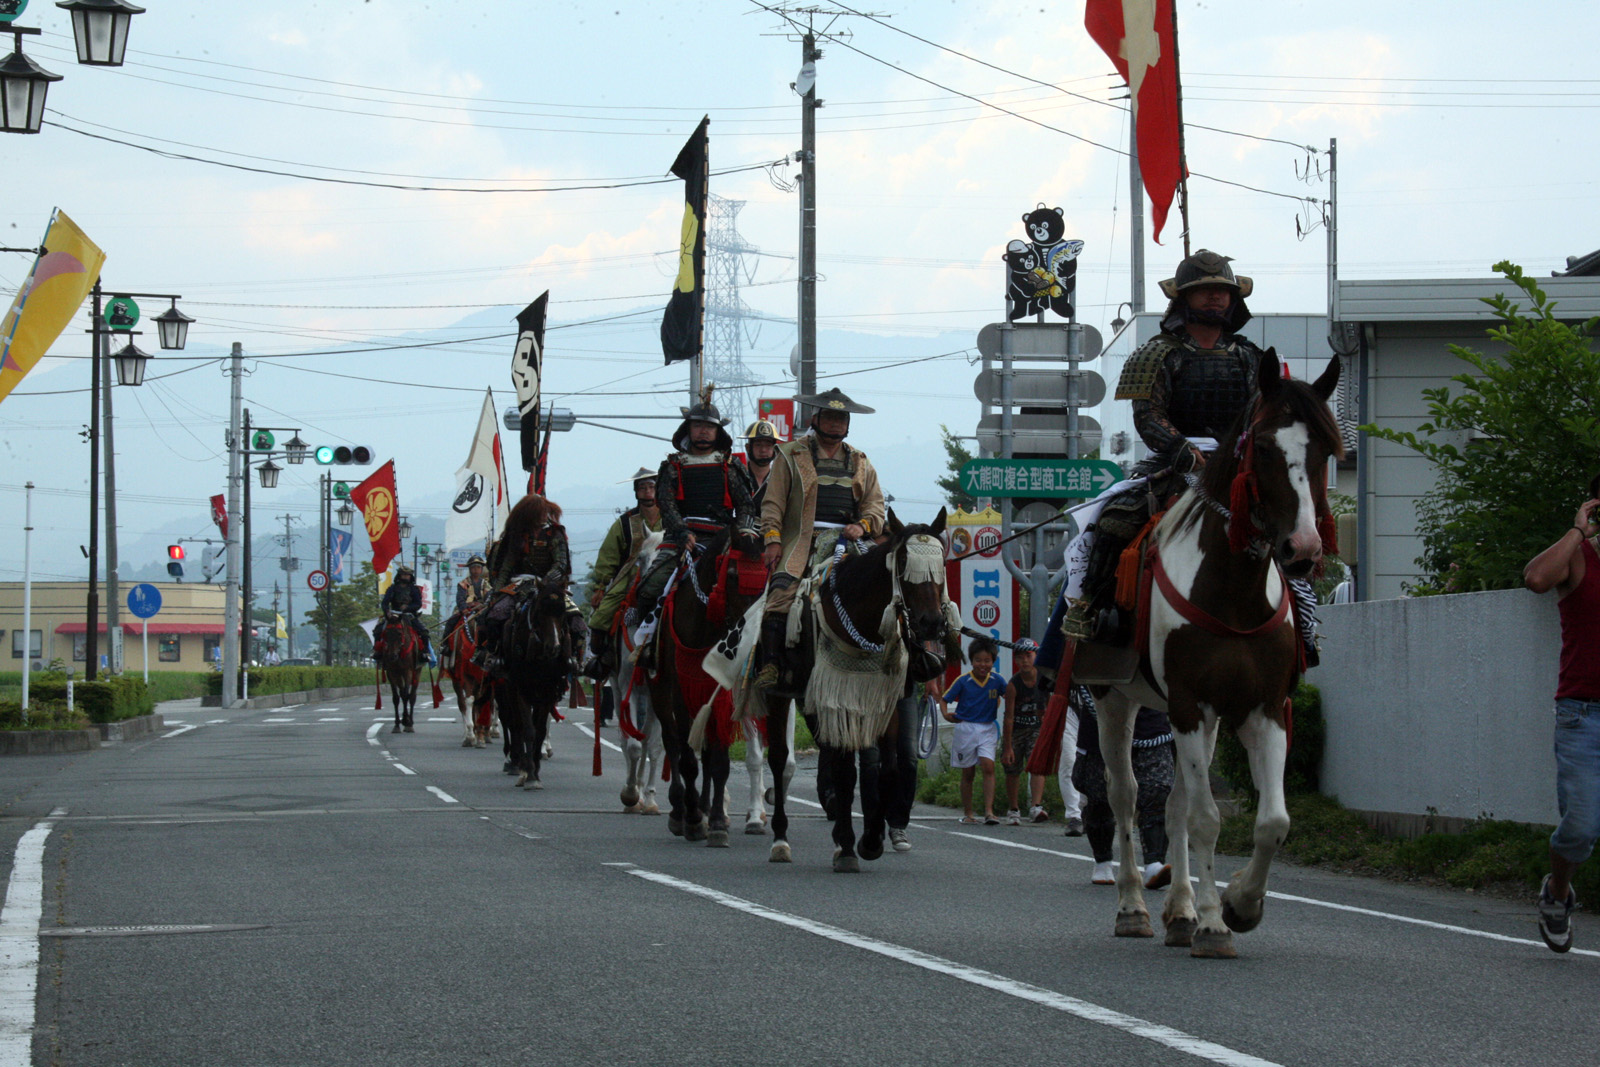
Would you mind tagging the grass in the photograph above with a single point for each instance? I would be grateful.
(803, 742)
(944, 789)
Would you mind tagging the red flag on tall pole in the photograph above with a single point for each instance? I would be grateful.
(381, 510)
(1141, 39)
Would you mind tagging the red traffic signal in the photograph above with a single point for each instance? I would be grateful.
(174, 551)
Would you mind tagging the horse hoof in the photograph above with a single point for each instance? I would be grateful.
(630, 798)
(410, 730)
(756, 827)
(1213, 945)
(549, 750)
(467, 743)
(536, 784)
(1238, 922)
(695, 831)
(1134, 924)
(1180, 932)
(780, 853)
(522, 780)
(675, 825)
(870, 848)
(396, 729)
(508, 767)
(478, 743)
(651, 808)
(717, 839)
(843, 864)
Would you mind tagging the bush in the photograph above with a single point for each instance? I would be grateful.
(265, 680)
(42, 715)
(103, 700)
(803, 741)
(1302, 770)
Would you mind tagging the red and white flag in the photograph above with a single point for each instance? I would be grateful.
(219, 513)
(1140, 37)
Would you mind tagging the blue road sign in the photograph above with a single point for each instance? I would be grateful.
(144, 600)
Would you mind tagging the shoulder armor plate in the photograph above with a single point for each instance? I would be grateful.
(1139, 373)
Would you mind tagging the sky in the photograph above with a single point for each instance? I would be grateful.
(1464, 137)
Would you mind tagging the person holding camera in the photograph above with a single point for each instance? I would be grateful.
(1572, 568)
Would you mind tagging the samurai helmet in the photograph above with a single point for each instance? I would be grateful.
(761, 430)
(479, 560)
(705, 410)
(835, 400)
(404, 572)
(1206, 267)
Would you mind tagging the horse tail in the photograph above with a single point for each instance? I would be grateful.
(377, 688)
(597, 738)
(702, 720)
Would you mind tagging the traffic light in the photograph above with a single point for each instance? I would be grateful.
(344, 455)
(175, 561)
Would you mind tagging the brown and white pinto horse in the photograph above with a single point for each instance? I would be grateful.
(474, 696)
(1219, 647)
(401, 665)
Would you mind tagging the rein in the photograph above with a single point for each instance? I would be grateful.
(1201, 618)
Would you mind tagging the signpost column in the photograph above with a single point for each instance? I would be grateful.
(144, 600)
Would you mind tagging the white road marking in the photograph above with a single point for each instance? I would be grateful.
(402, 768)
(213, 722)
(442, 795)
(436, 718)
(278, 720)
(1048, 998)
(290, 707)
(372, 732)
(589, 732)
(334, 718)
(180, 730)
(1292, 898)
(334, 708)
(19, 945)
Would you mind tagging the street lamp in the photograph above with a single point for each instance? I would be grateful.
(405, 527)
(295, 450)
(100, 29)
(173, 327)
(347, 514)
(269, 474)
(23, 85)
(130, 365)
(1117, 321)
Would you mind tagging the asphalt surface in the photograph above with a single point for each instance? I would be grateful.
(286, 886)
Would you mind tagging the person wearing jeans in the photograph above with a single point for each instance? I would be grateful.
(1571, 567)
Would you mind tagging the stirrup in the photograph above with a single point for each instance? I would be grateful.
(767, 676)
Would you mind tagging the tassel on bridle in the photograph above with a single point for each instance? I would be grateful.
(1245, 491)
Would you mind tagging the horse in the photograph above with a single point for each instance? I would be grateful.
(879, 617)
(709, 601)
(1218, 645)
(535, 646)
(474, 697)
(401, 665)
(642, 748)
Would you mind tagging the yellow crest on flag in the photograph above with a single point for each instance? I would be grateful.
(51, 294)
(691, 234)
(379, 512)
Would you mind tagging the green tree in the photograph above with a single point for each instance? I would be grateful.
(1510, 447)
(957, 454)
(354, 602)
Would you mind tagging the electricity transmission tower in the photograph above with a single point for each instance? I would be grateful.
(730, 324)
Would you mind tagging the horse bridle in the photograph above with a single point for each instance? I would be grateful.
(897, 604)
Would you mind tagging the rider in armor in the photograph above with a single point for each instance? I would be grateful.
(821, 490)
(403, 595)
(760, 446)
(701, 488)
(613, 570)
(474, 588)
(534, 543)
(1191, 381)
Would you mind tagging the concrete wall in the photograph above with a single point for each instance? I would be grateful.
(1441, 702)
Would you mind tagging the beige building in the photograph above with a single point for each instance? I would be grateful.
(184, 635)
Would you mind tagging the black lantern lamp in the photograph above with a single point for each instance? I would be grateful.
(173, 327)
(100, 28)
(269, 474)
(405, 527)
(347, 514)
(130, 365)
(295, 449)
(23, 84)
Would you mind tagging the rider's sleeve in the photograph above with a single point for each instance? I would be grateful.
(672, 524)
(776, 496)
(461, 597)
(609, 561)
(1147, 381)
(742, 491)
(560, 570)
(869, 497)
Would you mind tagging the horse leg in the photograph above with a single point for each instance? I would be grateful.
(843, 773)
(1178, 916)
(694, 817)
(1116, 744)
(675, 804)
(394, 701)
(538, 727)
(1268, 746)
(655, 758)
(755, 819)
(1212, 939)
(780, 734)
(716, 762)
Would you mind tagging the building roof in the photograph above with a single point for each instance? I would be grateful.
(1580, 266)
(136, 629)
(1456, 299)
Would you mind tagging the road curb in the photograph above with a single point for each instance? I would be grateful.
(47, 742)
(278, 700)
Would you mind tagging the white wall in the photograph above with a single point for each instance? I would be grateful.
(1441, 702)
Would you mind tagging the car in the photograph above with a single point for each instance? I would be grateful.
(298, 661)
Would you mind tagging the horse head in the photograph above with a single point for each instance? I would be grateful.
(1275, 473)
(536, 634)
(917, 555)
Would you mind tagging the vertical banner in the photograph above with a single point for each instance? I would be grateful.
(781, 414)
(339, 543)
(527, 372)
(681, 333)
(380, 509)
(50, 295)
(482, 500)
(219, 513)
(980, 584)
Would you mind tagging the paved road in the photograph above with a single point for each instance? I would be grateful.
(357, 897)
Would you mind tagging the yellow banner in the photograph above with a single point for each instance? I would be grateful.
(283, 633)
(50, 295)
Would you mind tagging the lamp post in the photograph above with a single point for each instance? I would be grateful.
(23, 85)
(119, 316)
(100, 29)
(100, 32)
(257, 442)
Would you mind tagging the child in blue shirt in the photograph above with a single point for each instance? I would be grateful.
(976, 696)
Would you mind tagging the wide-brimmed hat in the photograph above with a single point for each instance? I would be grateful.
(643, 474)
(479, 560)
(1206, 267)
(835, 400)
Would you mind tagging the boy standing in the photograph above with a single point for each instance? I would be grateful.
(1025, 701)
(976, 696)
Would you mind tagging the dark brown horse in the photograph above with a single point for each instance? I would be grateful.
(537, 652)
(402, 665)
(879, 618)
(710, 598)
(1219, 647)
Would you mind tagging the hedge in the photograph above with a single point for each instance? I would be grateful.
(104, 700)
(266, 680)
(51, 716)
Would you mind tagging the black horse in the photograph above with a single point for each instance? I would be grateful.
(537, 663)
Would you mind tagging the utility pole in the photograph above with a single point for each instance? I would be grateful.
(275, 594)
(1136, 222)
(113, 607)
(91, 634)
(230, 648)
(809, 54)
(290, 565)
(325, 556)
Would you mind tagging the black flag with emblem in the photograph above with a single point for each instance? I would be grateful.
(681, 334)
(527, 367)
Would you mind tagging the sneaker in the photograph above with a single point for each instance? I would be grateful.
(1013, 817)
(1157, 875)
(1038, 814)
(1074, 828)
(1104, 874)
(1555, 920)
(898, 839)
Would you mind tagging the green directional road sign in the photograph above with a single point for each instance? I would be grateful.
(1039, 477)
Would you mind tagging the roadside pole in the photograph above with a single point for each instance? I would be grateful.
(27, 594)
(230, 624)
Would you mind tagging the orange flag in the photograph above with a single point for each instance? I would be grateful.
(50, 295)
(381, 510)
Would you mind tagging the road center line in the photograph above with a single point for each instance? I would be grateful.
(372, 733)
(1294, 899)
(19, 945)
(1048, 998)
(442, 795)
(179, 730)
(590, 734)
(401, 767)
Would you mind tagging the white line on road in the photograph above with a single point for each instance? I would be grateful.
(1048, 998)
(372, 732)
(590, 734)
(401, 767)
(1351, 908)
(19, 946)
(333, 718)
(180, 730)
(438, 718)
(213, 722)
(278, 720)
(442, 795)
